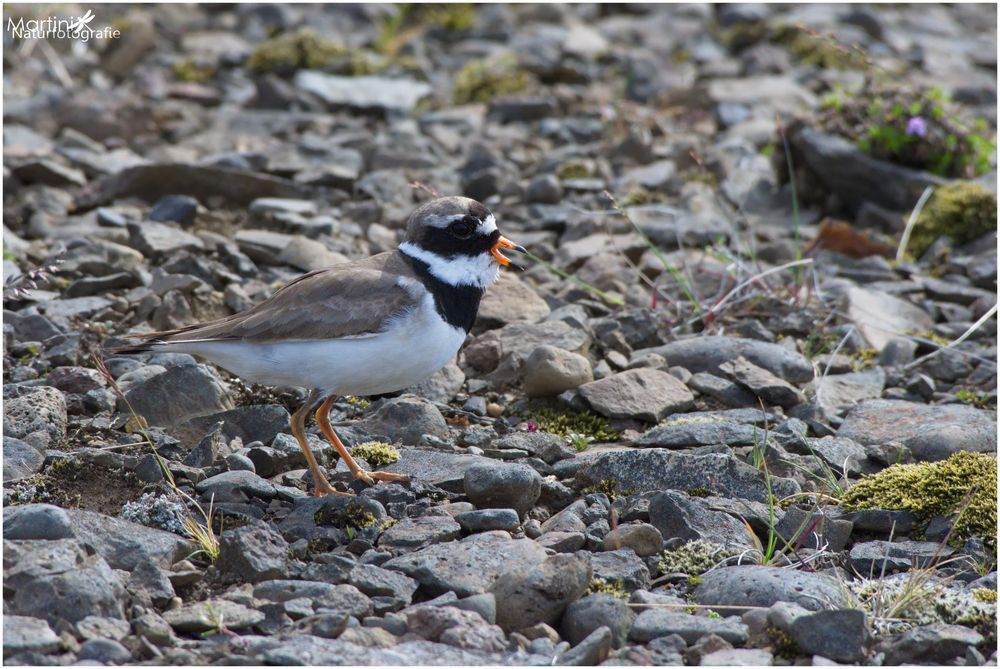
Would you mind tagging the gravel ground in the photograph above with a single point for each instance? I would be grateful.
(714, 422)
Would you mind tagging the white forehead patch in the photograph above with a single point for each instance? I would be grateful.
(487, 227)
(443, 221)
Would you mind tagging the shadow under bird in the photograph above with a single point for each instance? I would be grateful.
(367, 327)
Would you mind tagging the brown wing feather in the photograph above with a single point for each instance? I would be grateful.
(342, 301)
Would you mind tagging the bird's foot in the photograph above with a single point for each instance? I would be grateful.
(371, 477)
(327, 489)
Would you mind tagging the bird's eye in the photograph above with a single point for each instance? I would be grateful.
(460, 229)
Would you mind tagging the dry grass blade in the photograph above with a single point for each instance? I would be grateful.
(912, 221)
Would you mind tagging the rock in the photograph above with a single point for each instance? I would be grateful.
(737, 657)
(340, 598)
(125, 544)
(643, 538)
(24, 634)
(814, 529)
(375, 581)
(36, 521)
(263, 246)
(157, 240)
(466, 567)
(880, 317)
(931, 432)
(104, 651)
(654, 623)
(549, 371)
(76, 379)
(516, 341)
(682, 432)
(676, 514)
(410, 534)
(36, 416)
(595, 611)
(563, 542)
(660, 469)
(840, 635)
(406, 419)
(235, 486)
(724, 390)
(488, 520)
(150, 583)
(622, 568)
(644, 394)
(442, 387)
(763, 586)
(590, 652)
(503, 486)
(510, 300)
(936, 643)
(20, 459)
(455, 627)
(177, 395)
(549, 447)
(705, 354)
(544, 189)
(540, 593)
(308, 255)
(314, 650)
(207, 615)
(872, 557)
(365, 93)
(762, 383)
(253, 553)
(177, 208)
(59, 581)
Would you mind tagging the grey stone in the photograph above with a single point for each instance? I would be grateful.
(563, 542)
(870, 558)
(644, 394)
(660, 469)
(655, 623)
(510, 300)
(406, 419)
(59, 580)
(881, 317)
(807, 528)
(676, 514)
(442, 387)
(762, 383)
(414, 533)
(455, 627)
(23, 634)
(724, 390)
(622, 568)
(935, 643)
(839, 635)
(20, 459)
(503, 486)
(341, 598)
(738, 657)
(253, 553)
(544, 188)
(839, 393)
(467, 567)
(206, 615)
(235, 486)
(445, 470)
(931, 432)
(36, 521)
(549, 371)
(325, 518)
(375, 581)
(365, 93)
(178, 394)
(516, 341)
(104, 651)
(177, 208)
(258, 422)
(591, 651)
(705, 354)
(36, 416)
(763, 586)
(535, 593)
(487, 520)
(549, 447)
(150, 583)
(484, 604)
(125, 544)
(642, 538)
(592, 612)
(154, 239)
(681, 432)
(314, 650)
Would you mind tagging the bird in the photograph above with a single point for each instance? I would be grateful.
(371, 326)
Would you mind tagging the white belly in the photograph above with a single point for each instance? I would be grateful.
(405, 355)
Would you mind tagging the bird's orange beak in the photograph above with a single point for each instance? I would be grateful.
(504, 243)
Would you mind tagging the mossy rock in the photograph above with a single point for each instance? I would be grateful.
(567, 423)
(297, 50)
(694, 558)
(482, 80)
(960, 210)
(936, 489)
(376, 453)
(613, 589)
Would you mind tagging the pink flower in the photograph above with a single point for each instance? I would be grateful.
(531, 427)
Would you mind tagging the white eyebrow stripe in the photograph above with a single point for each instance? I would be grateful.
(443, 221)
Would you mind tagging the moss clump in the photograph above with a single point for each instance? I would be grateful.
(985, 595)
(359, 518)
(694, 558)
(192, 72)
(608, 487)
(962, 211)
(376, 453)
(297, 50)
(936, 489)
(639, 196)
(699, 491)
(978, 400)
(482, 80)
(782, 644)
(574, 169)
(567, 423)
(600, 585)
(815, 50)
(864, 359)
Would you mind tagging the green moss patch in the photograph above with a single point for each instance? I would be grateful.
(600, 585)
(376, 453)
(936, 489)
(568, 423)
(962, 211)
(608, 487)
(296, 50)
(482, 80)
(694, 558)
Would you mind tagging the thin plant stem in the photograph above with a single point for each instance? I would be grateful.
(912, 221)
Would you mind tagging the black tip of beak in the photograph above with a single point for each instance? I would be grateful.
(520, 249)
(519, 268)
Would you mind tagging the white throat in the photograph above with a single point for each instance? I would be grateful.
(479, 271)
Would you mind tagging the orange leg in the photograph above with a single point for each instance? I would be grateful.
(322, 486)
(323, 420)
